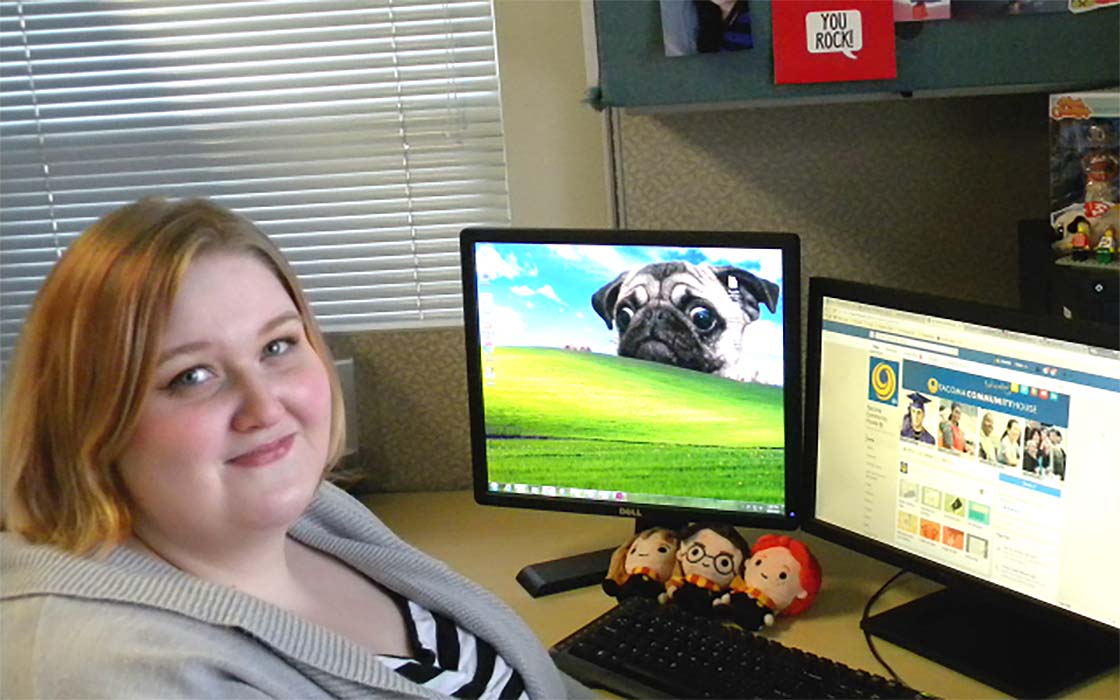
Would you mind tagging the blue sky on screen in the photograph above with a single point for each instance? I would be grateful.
(539, 295)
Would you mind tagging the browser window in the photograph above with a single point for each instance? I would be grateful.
(988, 451)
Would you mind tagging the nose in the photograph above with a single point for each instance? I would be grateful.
(258, 405)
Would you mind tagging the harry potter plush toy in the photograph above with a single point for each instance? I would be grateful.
(782, 576)
(640, 568)
(709, 558)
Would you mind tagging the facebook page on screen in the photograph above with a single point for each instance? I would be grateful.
(984, 450)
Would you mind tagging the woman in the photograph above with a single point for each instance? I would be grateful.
(167, 533)
(951, 435)
(1009, 452)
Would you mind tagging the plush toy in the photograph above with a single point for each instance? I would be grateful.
(782, 576)
(709, 558)
(640, 568)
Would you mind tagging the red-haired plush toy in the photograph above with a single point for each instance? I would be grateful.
(709, 558)
(782, 576)
(640, 568)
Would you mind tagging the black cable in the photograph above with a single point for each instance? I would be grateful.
(867, 635)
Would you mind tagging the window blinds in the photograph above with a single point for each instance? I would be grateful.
(361, 136)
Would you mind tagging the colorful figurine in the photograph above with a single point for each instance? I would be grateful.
(1079, 243)
(1100, 166)
(1106, 246)
(709, 558)
(781, 577)
(640, 568)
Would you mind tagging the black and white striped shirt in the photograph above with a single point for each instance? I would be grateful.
(451, 660)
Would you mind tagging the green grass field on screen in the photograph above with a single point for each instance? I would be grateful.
(588, 420)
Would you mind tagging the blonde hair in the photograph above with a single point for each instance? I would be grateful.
(86, 358)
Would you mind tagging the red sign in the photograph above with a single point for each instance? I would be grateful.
(1095, 210)
(821, 41)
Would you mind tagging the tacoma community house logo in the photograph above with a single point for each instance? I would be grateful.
(884, 381)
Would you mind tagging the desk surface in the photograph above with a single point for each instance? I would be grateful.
(490, 545)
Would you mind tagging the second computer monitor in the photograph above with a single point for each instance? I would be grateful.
(635, 373)
(976, 446)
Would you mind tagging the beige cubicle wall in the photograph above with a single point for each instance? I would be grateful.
(919, 194)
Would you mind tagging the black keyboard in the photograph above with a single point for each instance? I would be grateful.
(644, 650)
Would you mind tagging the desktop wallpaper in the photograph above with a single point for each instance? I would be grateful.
(565, 411)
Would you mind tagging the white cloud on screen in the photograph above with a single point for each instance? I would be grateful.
(566, 251)
(508, 325)
(490, 264)
(767, 264)
(603, 257)
(763, 340)
(545, 291)
(548, 291)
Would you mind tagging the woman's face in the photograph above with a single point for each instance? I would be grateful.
(1013, 431)
(233, 434)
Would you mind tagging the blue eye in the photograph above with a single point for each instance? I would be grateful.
(278, 347)
(191, 377)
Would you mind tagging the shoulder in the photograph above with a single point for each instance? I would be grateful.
(63, 646)
(336, 512)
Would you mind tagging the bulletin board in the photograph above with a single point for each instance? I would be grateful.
(1039, 53)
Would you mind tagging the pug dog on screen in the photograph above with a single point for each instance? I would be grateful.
(690, 316)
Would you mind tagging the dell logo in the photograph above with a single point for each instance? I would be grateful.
(630, 512)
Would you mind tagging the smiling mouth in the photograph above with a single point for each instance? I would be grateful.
(265, 454)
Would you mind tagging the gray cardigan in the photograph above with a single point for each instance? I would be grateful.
(127, 625)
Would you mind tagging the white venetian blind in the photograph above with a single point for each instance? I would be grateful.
(361, 136)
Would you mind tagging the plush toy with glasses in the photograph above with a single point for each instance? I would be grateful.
(709, 558)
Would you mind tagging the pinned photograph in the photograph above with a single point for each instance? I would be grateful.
(921, 10)
(705, 26)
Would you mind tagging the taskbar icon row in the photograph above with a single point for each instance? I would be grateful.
(559, 492)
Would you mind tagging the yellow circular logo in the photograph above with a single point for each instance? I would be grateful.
(883, 381)
(932, 385)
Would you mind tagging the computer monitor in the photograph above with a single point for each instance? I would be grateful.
(975, 446)
(645, 374)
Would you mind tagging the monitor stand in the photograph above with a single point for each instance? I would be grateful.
(1012, 646)
(558, 575)
(579, 570)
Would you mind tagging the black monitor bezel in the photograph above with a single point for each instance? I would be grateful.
(788, 243)
(1089, 333)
